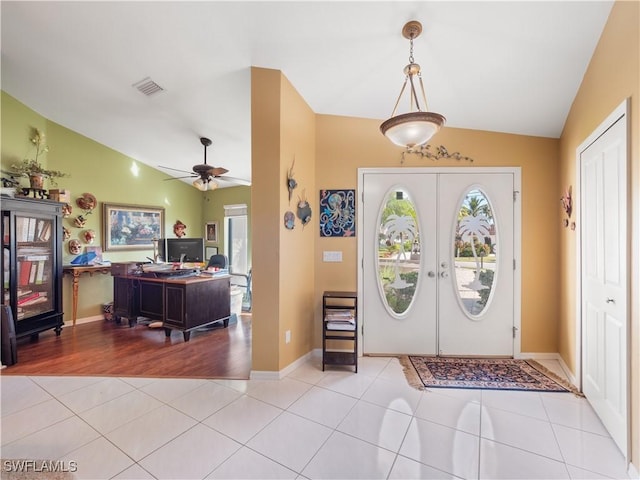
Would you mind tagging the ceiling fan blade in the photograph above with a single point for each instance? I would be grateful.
(178, 178)
(174, 169)
(217, 171)
(238, 181)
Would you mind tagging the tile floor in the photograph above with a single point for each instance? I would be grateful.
(311, 424)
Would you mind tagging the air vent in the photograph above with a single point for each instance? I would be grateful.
(148, 86)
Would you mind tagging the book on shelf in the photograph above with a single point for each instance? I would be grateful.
(35, 301)
(32, 298)
(32, 272)
(40, 272)
(31, 229)
(20, 236)
(31, 251)
(39, 227)
(36, 258)
(24, 272)
(45, 234)
(5, 236)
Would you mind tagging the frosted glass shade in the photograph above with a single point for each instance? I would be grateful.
(200, 185)
(205, 185)
(410, 129)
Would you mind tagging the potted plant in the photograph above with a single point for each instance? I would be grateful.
(32, 168)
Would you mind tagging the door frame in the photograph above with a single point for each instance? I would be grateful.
(620, 113)
(517, 234)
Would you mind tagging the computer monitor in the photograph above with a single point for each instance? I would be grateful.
(173, 249)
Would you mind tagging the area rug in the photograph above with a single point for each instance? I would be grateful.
(482, 373)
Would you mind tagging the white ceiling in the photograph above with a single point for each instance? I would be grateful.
(500, 66)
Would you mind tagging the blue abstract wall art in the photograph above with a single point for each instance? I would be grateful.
(337, 213)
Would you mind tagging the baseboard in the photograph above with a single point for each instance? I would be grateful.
(633, 471)
(565, 368)
(271, 375)
(79, 321)
(550, 356)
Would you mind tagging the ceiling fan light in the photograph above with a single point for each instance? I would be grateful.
(212, 185)
(410, 129)
(200, 184)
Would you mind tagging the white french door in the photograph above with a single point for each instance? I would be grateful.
(604, 275)
(438, 254)
(469, 329)
(411, 331)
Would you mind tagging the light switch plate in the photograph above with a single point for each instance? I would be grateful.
(332, 256)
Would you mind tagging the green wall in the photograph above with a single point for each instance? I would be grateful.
(107, 174)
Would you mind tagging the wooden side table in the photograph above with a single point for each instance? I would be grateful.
(76, 272)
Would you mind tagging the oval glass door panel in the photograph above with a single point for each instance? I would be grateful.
(475, 250)
(398, 251)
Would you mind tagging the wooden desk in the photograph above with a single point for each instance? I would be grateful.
(180, 303)
(76, 272)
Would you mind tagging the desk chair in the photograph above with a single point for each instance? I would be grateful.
(218, 261)
(245, 284)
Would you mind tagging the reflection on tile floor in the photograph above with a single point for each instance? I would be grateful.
(311, 424)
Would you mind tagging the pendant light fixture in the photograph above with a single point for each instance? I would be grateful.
(418, 125)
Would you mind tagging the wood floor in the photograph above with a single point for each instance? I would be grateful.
(106, 348)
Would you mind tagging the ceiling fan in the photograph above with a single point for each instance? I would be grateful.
(206, 175)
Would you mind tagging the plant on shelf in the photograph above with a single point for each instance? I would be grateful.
(32, 168)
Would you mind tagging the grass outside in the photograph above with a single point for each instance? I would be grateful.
(489, 259)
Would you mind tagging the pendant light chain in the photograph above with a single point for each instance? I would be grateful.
(411, 49)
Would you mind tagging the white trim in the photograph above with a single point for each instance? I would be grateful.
(264, 375)
(620, 113)
(551, 356)
(633, 471)
(517, 234)
(80, 321)
(236, 210)
(279, 375)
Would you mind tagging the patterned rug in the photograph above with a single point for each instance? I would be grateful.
(482, 373)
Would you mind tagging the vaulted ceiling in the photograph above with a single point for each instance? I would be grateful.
(499, 66)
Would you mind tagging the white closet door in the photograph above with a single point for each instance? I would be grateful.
(604, 279)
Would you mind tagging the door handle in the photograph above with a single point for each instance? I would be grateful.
(431, 274)
(444, 274)
(610, 300)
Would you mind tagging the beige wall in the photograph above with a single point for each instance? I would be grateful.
(613, 75)
(344, 144)
(283, 130)
(265, 221)
(297, 246)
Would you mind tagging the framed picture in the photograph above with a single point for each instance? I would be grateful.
(94, 255)
(337, 213)
(211, 232)
(209, 252)
(131, 227)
